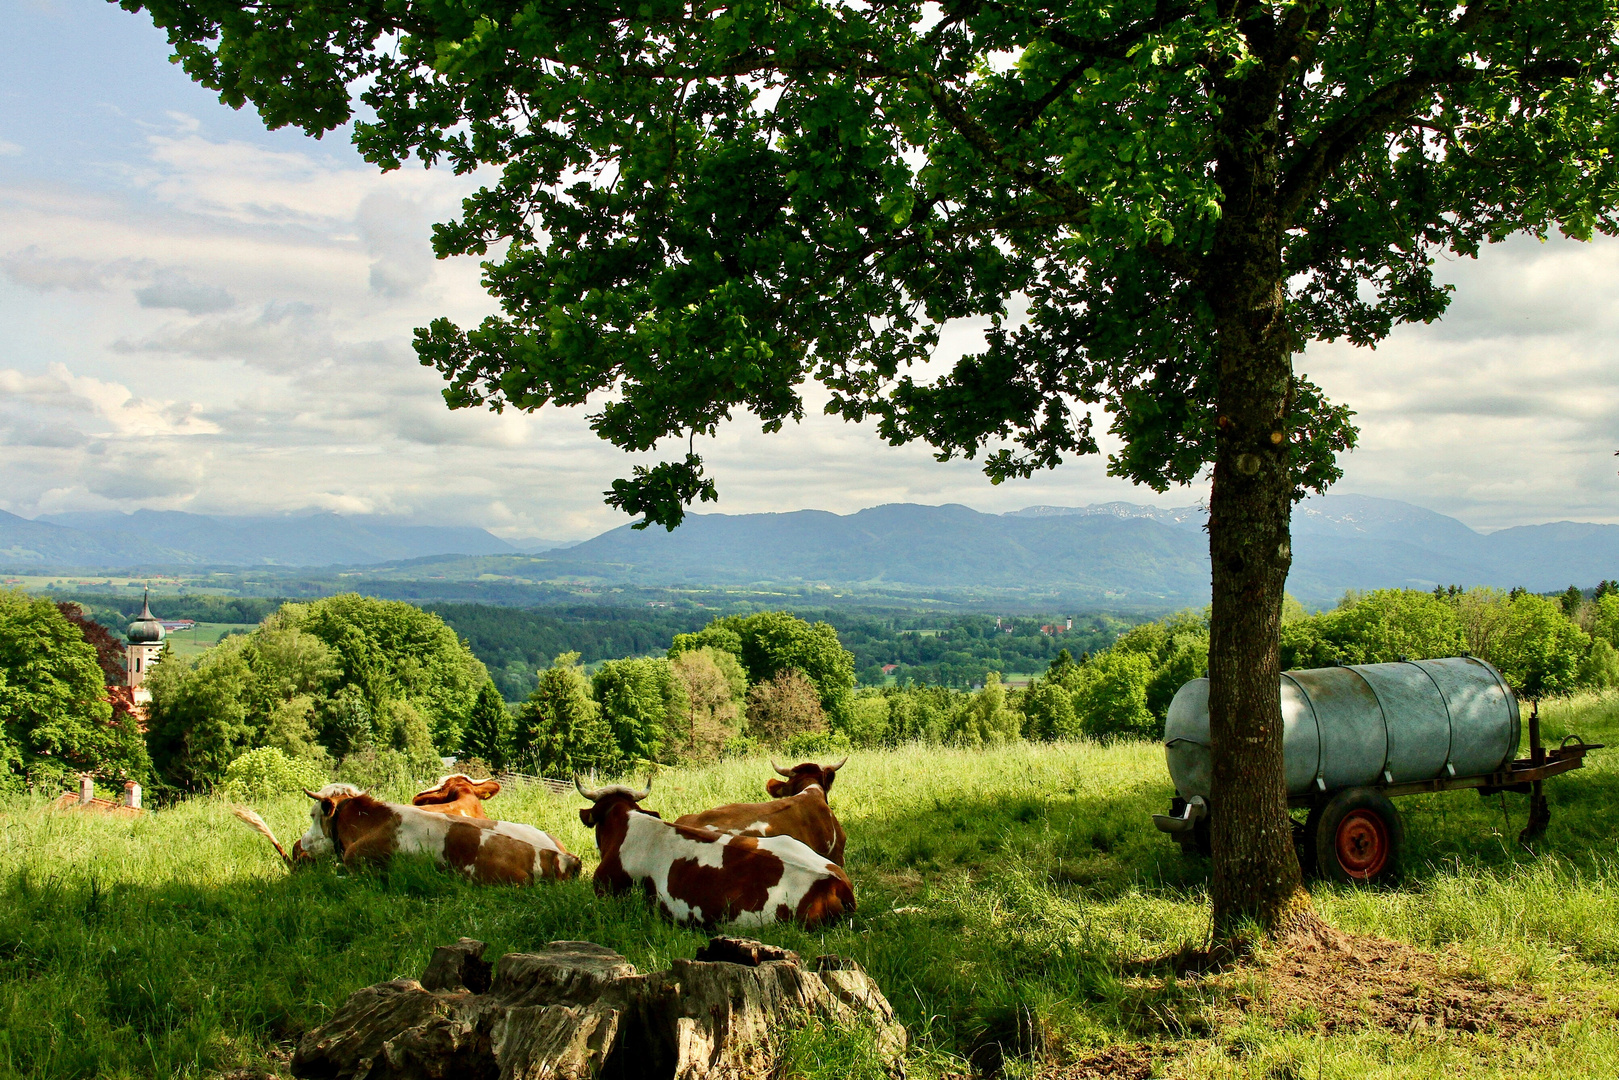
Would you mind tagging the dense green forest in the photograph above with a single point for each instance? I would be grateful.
(370, 688)
(927, 647)
(515, 643)
(116, 612)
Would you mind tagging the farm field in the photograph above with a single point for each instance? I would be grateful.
(202, 637)
(1011, 901)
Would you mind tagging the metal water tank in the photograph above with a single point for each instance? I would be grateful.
(1366, 724)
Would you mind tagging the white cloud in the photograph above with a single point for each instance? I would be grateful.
(9, 149)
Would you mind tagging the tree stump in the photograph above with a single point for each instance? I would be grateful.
(578, 1011)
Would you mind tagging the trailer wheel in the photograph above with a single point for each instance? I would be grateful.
(1358, 836)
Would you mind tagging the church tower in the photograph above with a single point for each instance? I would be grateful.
(145, 636)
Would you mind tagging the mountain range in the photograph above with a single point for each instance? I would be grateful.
(173, 538)
(1107, 553)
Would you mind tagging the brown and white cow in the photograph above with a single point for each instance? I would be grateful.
(705, 877)
(358, 829)
(799, 810)
(458, 794)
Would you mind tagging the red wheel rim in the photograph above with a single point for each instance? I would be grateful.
(1362, 844)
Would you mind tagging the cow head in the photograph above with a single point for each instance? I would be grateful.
(604, 799)
(318, 840)
(802, 776)
(451, 789)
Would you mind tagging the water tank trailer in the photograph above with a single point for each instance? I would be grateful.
(1355, 737)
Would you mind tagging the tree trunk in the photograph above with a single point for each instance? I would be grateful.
(1256, 870)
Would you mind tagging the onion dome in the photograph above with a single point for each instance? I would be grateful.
(145, 630)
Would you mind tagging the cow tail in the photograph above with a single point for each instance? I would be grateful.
(257, 824)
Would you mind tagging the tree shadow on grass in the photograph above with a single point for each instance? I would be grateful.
(103, 978)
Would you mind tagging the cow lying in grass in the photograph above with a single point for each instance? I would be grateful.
(705, 877)
(360, 830)
(459, 795)
(799, 810)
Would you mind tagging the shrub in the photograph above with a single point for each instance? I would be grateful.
(1536, 648)
(922, 713)
(816, 745)
(1600, 669)
(267, 772)
(782, 706)
(864, 720)
(385, 770)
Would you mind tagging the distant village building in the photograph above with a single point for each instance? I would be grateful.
(145, 636)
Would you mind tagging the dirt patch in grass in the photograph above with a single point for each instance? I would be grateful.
(1326, 979)
(1123, 1061)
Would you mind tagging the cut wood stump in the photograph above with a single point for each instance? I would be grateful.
(576, 1010)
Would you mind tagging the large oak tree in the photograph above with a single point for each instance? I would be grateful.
(1155, 204)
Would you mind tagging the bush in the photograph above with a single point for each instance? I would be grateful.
(1536, 648)
(386, 770)
(1600, 669)
(816, 745)
(785, 705)
(922, 713)
(267, 772)
(864, 720)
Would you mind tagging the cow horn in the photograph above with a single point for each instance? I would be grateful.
(639, 795)
(311, 794)
(591, 794)
(779, 769)
(835, 768)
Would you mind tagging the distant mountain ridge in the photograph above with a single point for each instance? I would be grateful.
(1109, 553)
(174, 538)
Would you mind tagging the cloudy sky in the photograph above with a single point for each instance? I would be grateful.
(197, 314)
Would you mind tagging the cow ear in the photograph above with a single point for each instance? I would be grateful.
(587, 814)
(328, 807)
(487, 790)
(776, 789)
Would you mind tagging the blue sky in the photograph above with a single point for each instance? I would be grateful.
(198, 314)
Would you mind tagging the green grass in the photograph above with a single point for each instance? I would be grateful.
(1003, 896)
(202, 637)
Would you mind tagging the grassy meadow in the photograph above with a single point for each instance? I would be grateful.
(1007, 898)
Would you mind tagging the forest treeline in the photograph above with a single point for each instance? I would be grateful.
(957, 650)
(373, 689)
(515, 643)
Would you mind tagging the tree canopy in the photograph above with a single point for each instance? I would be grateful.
(55, 718)
(708, 204)
(336, 676)
(1151, 206)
